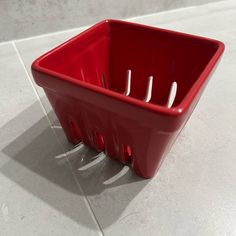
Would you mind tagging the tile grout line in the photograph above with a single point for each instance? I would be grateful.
(37, 95)
(30, 81)
(87, 203)
(35, 91)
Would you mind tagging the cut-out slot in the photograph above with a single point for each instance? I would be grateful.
(172, 94)
(74, 129)
(128, 83)
(104, 81)
(82, 74)
(99, 140)
(127, 152)
(149, 89)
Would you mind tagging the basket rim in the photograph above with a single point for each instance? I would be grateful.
(181, 108)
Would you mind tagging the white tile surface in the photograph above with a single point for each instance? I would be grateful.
(38, 194)
(20, 19)
(194, 192)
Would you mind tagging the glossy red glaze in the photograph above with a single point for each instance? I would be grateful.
(85, 78)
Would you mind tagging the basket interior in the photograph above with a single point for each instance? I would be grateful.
(142, 62)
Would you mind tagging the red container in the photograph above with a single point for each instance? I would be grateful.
(85, 80)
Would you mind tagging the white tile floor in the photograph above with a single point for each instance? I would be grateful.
(192, 194)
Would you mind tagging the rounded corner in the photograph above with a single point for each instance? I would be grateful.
(34, 65)
(221, 45)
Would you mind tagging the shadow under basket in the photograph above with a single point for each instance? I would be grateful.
(127, 89)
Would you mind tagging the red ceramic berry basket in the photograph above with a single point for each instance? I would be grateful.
(127, 89)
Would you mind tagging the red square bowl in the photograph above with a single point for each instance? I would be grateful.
(127, 89)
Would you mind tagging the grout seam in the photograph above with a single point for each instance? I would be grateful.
(30, 81)
(35, 91)
(87, 203)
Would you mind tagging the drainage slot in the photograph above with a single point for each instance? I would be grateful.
(82, 74)
(99, 140)
(172, 94)
(127, 152)
(104, 81)
(128, 83)
(149, 89)
(74, 129)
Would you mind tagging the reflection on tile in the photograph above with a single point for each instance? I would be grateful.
(33, 185)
